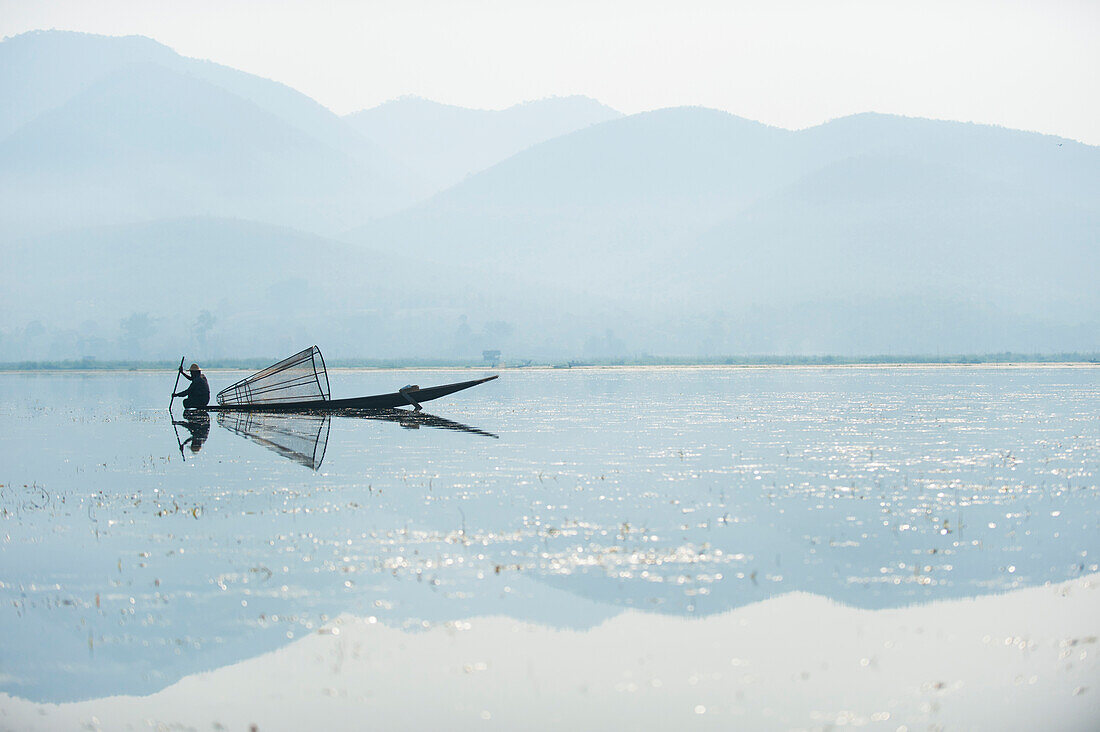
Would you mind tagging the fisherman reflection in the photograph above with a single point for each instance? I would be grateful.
(198, 394)
(198, 424)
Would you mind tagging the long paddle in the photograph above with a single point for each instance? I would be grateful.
(176, 430)
(178, 372)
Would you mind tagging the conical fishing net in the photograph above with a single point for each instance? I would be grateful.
(300, 378)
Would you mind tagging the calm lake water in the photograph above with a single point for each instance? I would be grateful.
(561, 498)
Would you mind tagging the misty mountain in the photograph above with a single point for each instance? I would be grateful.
(879, 225)
(444, 143)
(106, 130)
(945, 236)
(601, 206)
(683, 231)
(1044, 164)
(227, 288)
(42, 70)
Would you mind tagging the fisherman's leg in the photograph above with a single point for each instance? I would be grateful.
(194, 403)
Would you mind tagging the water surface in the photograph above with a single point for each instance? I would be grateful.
(560, 497)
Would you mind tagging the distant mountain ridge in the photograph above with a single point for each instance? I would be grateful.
(730, 227)
(444, 143)
(110, 130)
(37, 72)
(41, 70)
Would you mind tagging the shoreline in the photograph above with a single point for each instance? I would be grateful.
(765, 362)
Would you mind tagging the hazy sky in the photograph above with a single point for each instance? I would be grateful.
(1030, 65)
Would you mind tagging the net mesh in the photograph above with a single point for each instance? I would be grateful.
(300, 378)
(301, 438)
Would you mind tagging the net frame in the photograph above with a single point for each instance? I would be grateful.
(298, 378)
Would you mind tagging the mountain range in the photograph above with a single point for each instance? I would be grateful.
(135, 182)
(444, 144)
(968, 237)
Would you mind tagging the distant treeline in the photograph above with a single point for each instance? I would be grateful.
(766, 360)
(250, 364)
(759, 360)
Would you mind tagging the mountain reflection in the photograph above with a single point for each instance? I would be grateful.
(650, 671)
(303, 438)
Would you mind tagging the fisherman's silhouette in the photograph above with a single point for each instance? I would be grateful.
(198, 424)
(198, 393)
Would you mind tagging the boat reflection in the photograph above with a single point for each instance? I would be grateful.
(413, 420)
(303, 438)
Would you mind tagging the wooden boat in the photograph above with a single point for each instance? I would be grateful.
(299, 384)
(378, 401)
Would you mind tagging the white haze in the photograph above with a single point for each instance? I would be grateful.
(791, 63)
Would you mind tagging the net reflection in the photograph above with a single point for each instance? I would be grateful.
(303, 438)
(299, 437)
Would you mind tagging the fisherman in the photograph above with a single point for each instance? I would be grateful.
(198, 394)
